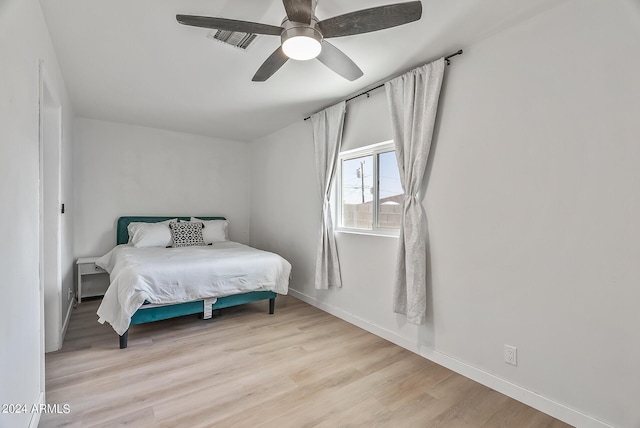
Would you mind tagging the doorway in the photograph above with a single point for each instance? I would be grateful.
(50, 210)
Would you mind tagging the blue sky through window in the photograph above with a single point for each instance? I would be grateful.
(389, 175)
(355, 189)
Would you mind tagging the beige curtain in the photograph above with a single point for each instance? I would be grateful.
(327, 139)
(413, 102)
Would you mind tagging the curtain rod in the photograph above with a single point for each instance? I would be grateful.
(446, 58)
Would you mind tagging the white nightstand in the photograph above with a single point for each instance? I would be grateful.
(87, 266)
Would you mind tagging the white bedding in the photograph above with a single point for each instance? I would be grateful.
(178, 275)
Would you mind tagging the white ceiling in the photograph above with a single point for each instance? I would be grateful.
(131, 62)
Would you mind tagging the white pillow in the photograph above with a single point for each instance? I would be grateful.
(143, 235)
(214, 230)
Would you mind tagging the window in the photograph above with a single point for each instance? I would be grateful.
(369, 193)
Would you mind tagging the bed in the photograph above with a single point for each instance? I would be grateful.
(157, 283)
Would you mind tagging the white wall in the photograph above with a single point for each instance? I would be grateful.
(533, 209)
(67, 220)
(129, 170)
(24, 40)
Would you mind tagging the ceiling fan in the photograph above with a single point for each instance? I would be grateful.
(303, 37)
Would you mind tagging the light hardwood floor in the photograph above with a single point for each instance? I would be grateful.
(300, 367)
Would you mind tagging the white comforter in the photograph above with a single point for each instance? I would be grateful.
(177, 275)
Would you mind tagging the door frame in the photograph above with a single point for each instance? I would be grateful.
(50, 251)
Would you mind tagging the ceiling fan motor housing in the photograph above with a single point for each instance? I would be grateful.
(301, 41)
(302, 35)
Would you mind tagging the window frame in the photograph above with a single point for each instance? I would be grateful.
(373, 150)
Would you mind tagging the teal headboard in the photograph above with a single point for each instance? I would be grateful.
(122, 234)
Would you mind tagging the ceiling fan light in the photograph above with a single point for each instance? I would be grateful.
(301, 48)
(299, 41)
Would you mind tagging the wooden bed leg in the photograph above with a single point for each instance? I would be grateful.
(123, 339)
(272, 305)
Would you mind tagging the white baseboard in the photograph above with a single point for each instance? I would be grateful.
(63, 333)
(35, 416)
(530, 398)
(359, 322)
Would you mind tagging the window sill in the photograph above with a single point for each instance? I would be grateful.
(390, 234)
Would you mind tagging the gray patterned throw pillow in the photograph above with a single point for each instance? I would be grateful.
(186, 234)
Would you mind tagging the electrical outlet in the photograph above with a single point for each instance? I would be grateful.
(511, 355)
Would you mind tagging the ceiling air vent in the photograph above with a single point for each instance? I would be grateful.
(233, 38)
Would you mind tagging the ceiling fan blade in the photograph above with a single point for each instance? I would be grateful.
(229, 25)
(299, 10)
(271, 65)
(373, 19)
(337, 61)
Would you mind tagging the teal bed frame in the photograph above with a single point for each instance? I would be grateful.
(158, 313)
